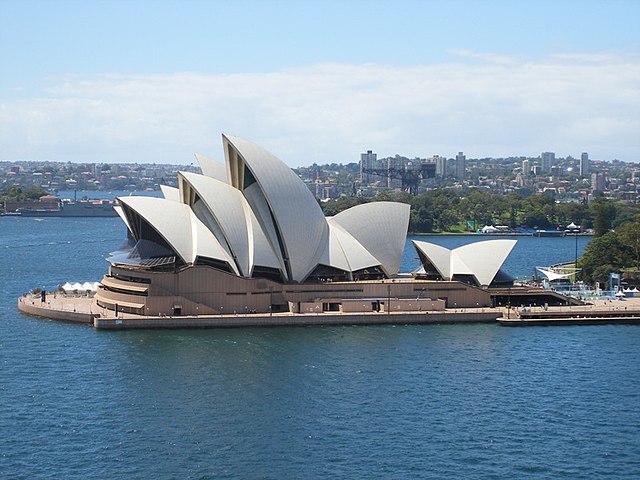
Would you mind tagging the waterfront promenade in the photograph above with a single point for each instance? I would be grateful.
(83, 309)
(601, 311)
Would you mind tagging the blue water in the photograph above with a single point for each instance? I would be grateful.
(456, 401)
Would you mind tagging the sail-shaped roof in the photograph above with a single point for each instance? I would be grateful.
(482, 260)
(257, 216)
(230, 215)
(212, 168)
(300, 230)
(177, 224)
(170, 193)
(381, 228)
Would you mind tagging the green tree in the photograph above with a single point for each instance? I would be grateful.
(603, 215)
(603, 255)
(629, 235)
(16, 193)
(436, 210)
(477, 207)
(538, 211)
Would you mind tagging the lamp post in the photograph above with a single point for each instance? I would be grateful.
(575, 273)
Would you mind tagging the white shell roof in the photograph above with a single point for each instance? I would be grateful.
(225, 203)
(212, 168)
(262, 254)
(122, 215)
(484, 259)
(480, 259)
(172, 220)
(381, 228)
(257, 212)
(206, 245)
(229, 209)
(180, 228)
(170, 193)
(440, 257)
(298, 217)
(345, 252)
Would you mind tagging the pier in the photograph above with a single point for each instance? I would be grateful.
(599, 312)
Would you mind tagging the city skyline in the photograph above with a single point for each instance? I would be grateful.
(144, 82)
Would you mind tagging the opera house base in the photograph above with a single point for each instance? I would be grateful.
(84, 310)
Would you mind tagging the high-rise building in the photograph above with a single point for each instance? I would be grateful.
(367, 160)
(584, 164)
(441, 165)
(548, 161)
(598, 181)
(526, 168)
(461, 160)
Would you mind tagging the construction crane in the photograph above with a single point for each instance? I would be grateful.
(410, 177)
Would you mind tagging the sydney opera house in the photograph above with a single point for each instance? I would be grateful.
(247, 236)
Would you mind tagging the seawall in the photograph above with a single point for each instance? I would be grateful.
(298, 320)
(38, 309)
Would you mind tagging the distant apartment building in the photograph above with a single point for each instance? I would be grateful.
(460, 165)
(548, 160)
(598, 181)
(367, 160)
(526, 168)
(441, 165)
(584, 164)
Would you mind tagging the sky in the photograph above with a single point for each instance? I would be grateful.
(318, 81)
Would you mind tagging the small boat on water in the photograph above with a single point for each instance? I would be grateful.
(549, 233)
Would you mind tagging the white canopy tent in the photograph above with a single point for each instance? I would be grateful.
(551, 275)
(78, 287)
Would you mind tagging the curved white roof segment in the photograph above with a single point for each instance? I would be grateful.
(381, 228)
(480, 259)
(179, 227)
(300, 229)
(233, 226)
(262, 253)
(345, 252)
(224, 203)
(170, 193)
(212, 168)
(484, 259)
(440, 257)
(122, 216)
(261, 219)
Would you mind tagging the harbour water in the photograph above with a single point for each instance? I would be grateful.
(459, 401)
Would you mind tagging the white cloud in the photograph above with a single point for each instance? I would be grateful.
(332, 112)
(486, 57)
